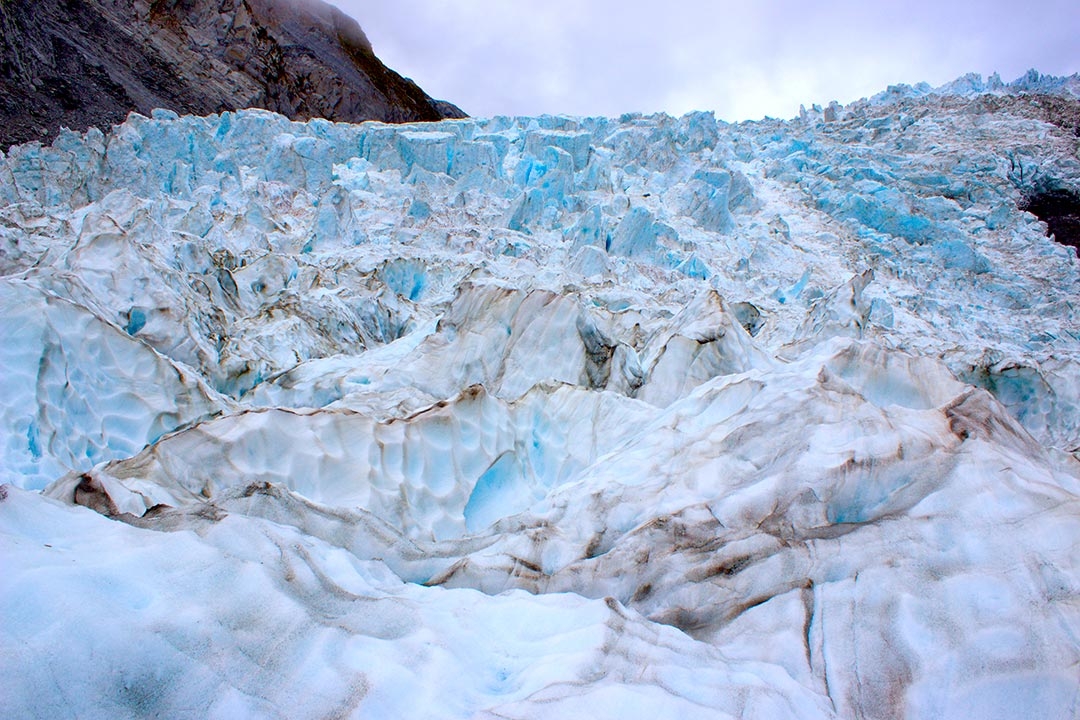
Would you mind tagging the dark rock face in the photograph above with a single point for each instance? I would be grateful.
(83, 63)
(1060, 210)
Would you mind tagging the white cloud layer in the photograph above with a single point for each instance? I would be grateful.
(741, 59)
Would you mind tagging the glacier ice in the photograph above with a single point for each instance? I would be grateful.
(545, 417)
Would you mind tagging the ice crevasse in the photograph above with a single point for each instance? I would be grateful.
(545, 417)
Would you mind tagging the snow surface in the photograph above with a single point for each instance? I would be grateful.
(544, 417)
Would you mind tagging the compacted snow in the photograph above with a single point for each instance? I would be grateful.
(545, 417)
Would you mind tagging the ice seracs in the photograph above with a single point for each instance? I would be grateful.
(523, 417)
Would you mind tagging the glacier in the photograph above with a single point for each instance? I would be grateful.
(545, 417)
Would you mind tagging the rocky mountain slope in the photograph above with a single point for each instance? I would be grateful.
(627, 417)
(89, 63)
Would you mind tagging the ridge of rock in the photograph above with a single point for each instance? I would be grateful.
(90, 63)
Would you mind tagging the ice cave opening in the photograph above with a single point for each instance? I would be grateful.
(1060, 210)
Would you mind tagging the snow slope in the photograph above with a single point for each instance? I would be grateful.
(545, 417)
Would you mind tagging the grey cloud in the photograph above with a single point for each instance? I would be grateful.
(742, 60)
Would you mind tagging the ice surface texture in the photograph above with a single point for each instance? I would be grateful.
(545, 417)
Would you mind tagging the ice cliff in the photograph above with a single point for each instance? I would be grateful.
(546, 417)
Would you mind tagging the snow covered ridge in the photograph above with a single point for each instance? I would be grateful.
(545, 417)
(1030, 83)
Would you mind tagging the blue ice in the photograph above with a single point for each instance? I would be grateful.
(498, 492)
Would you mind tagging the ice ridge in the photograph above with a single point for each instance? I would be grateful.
(535, 417)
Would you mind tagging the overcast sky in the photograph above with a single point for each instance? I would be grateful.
(743, 60)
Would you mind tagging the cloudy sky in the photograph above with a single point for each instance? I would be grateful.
(743, 60)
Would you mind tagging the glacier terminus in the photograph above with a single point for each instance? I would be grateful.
(552, 417)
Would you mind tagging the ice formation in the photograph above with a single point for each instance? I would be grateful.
(545, 417)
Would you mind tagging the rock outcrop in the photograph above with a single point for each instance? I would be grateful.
(90, 63)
